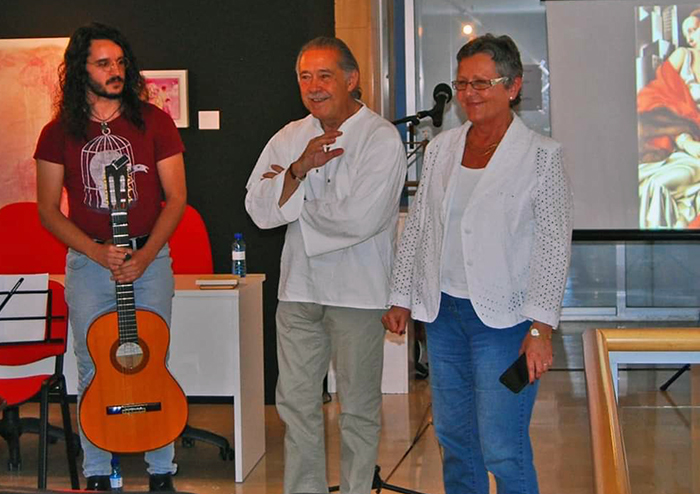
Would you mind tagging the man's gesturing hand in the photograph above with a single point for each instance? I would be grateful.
(317, 153)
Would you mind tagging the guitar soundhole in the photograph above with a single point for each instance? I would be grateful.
(129, 357)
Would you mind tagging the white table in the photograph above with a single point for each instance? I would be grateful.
(216, 349)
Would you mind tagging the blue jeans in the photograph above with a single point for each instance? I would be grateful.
(481, 425)
(90, 293)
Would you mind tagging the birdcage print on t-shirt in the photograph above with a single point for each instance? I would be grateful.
(96, 155)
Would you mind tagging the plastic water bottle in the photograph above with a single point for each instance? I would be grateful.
(238, 255)
(115, 478)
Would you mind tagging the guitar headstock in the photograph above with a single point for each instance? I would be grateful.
(116, 175)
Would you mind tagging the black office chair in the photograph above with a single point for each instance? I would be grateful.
(191, 435)
(191, 252)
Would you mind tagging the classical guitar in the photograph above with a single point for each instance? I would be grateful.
(133, 403)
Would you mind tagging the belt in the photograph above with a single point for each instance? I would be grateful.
(135, 243)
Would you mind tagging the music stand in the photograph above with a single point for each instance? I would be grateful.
(47, 317)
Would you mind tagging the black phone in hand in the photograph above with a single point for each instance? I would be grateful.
(516, 376)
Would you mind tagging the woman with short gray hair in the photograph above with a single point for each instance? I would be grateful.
(483, 261)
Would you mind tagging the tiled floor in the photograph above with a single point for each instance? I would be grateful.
(661, 430)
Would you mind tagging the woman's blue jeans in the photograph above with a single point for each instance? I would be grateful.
(481, 425)
(90, 293)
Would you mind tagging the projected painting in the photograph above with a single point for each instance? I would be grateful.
(668, 116)
(28, 78)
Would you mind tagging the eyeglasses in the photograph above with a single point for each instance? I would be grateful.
(478, 84)
(105, 64)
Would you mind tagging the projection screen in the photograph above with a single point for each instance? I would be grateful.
(625, 97)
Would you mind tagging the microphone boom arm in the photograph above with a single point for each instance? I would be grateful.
(413, 119)
(442, 94)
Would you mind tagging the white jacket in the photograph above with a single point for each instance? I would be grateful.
(516, 231)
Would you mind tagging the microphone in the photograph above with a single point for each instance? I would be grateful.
(442, 94)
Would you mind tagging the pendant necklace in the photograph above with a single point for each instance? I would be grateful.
(104, 127)
(479, 152)
(490, 148)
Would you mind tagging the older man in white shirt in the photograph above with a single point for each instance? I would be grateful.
(334, 178)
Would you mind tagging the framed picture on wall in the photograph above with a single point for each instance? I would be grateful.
(167, 89)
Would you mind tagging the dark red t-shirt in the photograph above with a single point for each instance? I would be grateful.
(84, 163)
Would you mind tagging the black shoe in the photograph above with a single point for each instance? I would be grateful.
(98, 483)
(161, 482)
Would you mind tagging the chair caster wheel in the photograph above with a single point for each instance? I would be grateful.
(226, 454)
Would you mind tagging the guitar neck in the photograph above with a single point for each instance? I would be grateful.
(126, 304)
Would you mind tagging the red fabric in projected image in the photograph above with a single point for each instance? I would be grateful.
(695, 224)
(668, 91)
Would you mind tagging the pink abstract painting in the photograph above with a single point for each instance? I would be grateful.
(29, 80)
(165, 94)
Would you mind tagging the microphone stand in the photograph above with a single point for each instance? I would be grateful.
(442, 94)
(412, 119)
(412, 122)
(377, 483)
(441, 91)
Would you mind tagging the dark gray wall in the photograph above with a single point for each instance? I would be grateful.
(240, 57)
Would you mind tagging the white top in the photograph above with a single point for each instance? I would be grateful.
(453, 276)
(341, 221)
(519, 240)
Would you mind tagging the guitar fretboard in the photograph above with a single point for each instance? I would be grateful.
(126, 306)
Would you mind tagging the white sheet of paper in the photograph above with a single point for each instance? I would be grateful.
(23, 305)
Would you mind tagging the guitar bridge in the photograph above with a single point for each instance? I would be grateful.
(133, 408)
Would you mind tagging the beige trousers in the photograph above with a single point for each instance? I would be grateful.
(308, 336)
